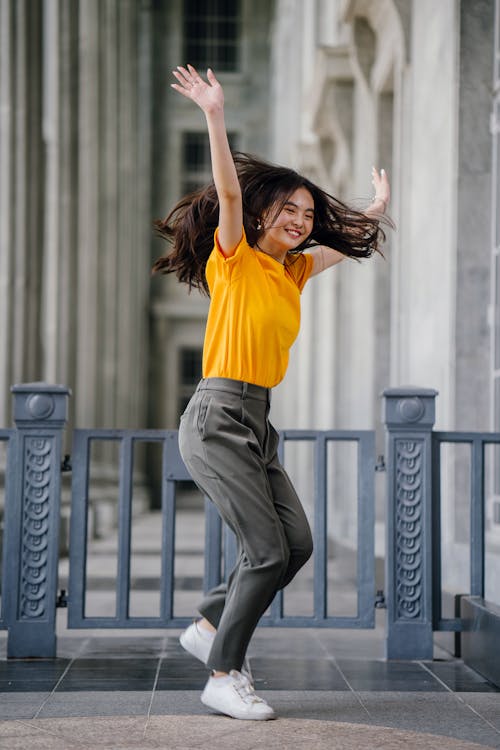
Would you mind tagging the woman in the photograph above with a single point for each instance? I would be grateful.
(242, 239)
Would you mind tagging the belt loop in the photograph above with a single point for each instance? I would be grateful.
(244, 390)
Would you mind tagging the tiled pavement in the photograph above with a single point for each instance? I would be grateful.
(331, 689)
(333, 678)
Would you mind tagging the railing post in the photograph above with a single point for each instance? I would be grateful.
(409, 415)
(32, 535)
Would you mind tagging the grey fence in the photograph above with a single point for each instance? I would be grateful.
(218, 556)
(32, 509)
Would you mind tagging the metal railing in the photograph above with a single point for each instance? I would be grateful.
(477, 442)
(220, 552)
(413, 584)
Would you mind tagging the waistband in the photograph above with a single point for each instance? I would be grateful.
(239, 387)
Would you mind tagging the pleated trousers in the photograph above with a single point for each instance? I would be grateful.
(230, 449)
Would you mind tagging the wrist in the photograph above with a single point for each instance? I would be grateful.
(378, 200)
(214, 112)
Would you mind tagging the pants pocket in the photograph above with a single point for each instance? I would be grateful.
(201, 418)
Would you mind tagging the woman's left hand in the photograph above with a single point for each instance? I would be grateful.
(382, 188)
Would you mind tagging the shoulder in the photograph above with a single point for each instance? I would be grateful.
(242, 248)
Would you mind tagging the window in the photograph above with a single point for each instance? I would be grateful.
(190, 361)
(212, 34)
(197, 169)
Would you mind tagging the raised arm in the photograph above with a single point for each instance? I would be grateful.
(210, 98)
(325, 257)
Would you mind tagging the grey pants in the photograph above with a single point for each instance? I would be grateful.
(230, 450)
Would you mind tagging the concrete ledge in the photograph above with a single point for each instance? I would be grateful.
(481, 637)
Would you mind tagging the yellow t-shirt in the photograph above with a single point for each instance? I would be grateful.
(254, 314)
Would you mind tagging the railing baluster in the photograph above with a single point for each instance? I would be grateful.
(477, 519)
(168, 531)
(320, 529)
(436, 532)
(366, 529)
(124, 527)
(78, 533)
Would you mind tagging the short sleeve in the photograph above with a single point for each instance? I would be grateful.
(220, 267)
(300, 269)
(235, 257)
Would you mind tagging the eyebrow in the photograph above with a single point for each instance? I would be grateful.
(295, 205)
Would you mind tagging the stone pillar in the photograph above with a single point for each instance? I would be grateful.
(32, 520)
(409, 414)
(21, 175)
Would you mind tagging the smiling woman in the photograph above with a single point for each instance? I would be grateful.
(251, 239)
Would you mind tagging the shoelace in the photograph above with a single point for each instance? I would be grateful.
(245, 689)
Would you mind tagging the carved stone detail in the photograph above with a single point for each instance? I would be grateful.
(36, 496)
(408, 527)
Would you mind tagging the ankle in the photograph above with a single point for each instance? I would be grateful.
(217, 674)
(204, 624)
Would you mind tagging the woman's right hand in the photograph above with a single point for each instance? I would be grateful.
(208, 96)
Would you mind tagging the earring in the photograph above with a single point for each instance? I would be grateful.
(259, 225)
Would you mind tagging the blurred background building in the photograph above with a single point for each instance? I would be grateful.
(94, 145)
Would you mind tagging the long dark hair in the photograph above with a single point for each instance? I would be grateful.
(265, 187)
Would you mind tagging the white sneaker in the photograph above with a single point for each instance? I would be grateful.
(234, 696)
(198, 642)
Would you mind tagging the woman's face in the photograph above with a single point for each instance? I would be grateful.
(291, 226)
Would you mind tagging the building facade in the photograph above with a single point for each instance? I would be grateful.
(94, 145)
(407, 86)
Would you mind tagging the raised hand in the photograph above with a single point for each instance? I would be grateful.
(380, 182)
(208, 96)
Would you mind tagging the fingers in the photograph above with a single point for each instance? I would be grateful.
(211, 77)
(189, 78)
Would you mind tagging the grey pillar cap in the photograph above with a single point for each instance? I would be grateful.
(409, 407)
(38, 403)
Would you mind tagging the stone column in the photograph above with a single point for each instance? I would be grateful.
(32, 520)
(409, 414)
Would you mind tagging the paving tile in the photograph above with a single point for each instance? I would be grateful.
(301, 643)
(177, 702)
(78, 684)
(97, 703)
(182, 672)
(354, 644)
(109, 674)
(124, 647)
(460, 678)
(329, 705)
(32, 669)
(436, 713)
(486, 705)
(14, 705)
(298, 674)
(393, 676)
(116, 666)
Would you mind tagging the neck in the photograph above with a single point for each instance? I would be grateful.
(280, 257)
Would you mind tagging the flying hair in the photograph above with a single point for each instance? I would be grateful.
(189, 228)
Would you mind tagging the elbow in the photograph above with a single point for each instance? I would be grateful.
(230, 195)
